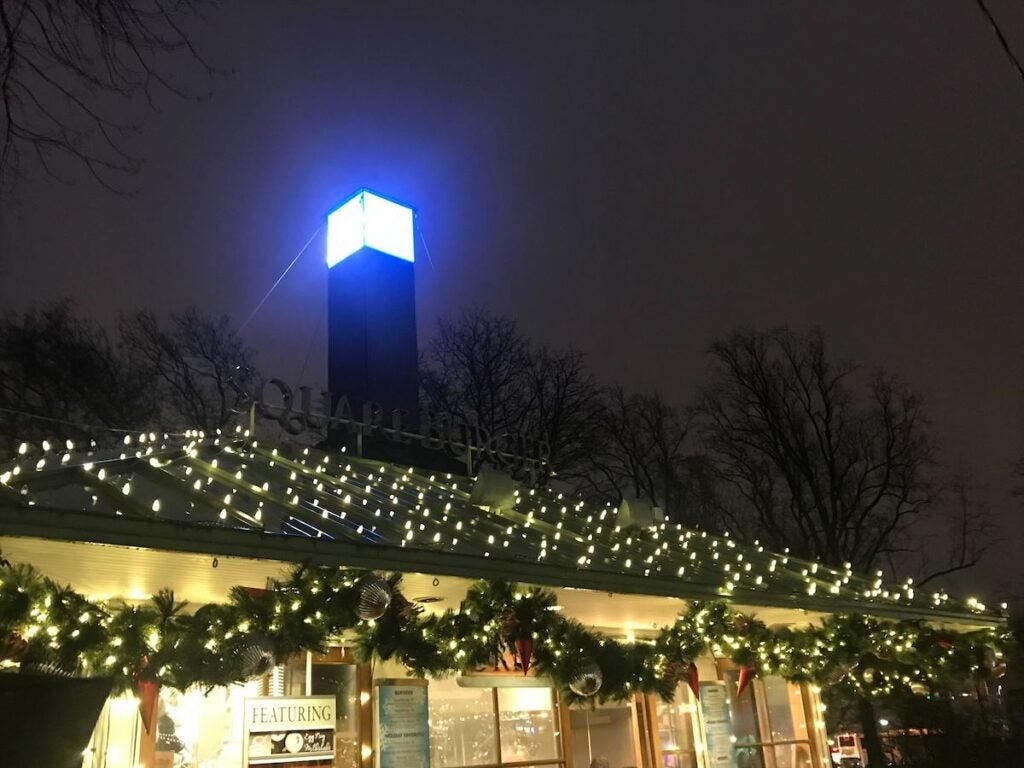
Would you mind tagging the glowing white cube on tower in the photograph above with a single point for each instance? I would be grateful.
(368, 220)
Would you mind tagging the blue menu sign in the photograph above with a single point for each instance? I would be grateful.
(403, 725)
(714, 707)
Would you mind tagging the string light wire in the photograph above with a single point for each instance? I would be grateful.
(279, 279)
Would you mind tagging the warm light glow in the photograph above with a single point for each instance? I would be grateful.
(367, 220)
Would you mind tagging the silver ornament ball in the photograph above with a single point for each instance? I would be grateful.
(588, 681)
(257, 657)
(374, 598)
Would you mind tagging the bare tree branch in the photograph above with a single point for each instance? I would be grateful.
(191, 360)
(807, 464)
(68, 66)
(1003, 43)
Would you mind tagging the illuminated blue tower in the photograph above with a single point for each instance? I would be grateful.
(371, 304)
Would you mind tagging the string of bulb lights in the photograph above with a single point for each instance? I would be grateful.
(235, 481)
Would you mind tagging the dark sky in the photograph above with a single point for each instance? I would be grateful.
(634, 178)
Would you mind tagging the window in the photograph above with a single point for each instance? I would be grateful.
(332, 673)
(606, 734)
(528, 725)
(492, 726)
(199, 728)
(674, 729)
(769, 724)
(341, 681)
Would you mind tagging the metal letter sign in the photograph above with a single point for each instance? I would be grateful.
(319, 413)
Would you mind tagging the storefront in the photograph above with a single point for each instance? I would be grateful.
(202, 516)
(530, 628)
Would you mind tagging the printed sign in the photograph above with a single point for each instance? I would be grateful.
(714, 706)
(279, 731)
(403, 728)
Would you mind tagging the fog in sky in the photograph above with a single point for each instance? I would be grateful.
(634, 179)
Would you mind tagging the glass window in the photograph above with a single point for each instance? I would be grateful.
(604, 732)
(341, 681)
(796, 755)
(769, 723)
(462, 725)
(467, 725)
(743, 711)
(197, 728)
(674, 723)
(529, 730)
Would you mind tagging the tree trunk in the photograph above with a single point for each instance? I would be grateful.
(872, 742)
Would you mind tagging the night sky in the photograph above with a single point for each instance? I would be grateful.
(635, 179)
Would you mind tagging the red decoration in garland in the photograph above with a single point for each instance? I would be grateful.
(693, 680)
(746, 675)
(147, 691)
(524, 649)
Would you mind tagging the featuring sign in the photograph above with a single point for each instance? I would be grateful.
(402, 724)
(714, 707)
(279, 731)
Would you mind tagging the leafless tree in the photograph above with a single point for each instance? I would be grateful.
(803, 462)
(645, 451)
(564, 407)
(966, 527)
(70, 70)
(192, 359)
(61, 377)
(480, 368)
(475, 368)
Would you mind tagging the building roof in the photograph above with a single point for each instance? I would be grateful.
(239, 496)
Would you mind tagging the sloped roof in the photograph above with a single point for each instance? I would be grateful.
(341, 508)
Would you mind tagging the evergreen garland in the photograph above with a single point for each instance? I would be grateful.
(48, 627)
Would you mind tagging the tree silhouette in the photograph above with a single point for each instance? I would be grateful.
(67, 67)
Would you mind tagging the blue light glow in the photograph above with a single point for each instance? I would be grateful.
(367, 220)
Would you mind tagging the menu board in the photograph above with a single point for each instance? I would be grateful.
(403, 729)
(288, 731)
(714, 707)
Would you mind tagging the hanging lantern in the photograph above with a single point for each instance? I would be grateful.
(524, 650)
(257, 656)
(147, 690)
(374, 598)
(588, 681)
(746, 675)
(693, 680)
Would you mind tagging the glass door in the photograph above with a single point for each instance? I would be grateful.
(673, 729)
(605, 736)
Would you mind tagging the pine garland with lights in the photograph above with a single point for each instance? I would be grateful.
(46, 627)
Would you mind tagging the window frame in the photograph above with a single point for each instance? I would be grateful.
(650, 716)
(560, 713)
(764, 721)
